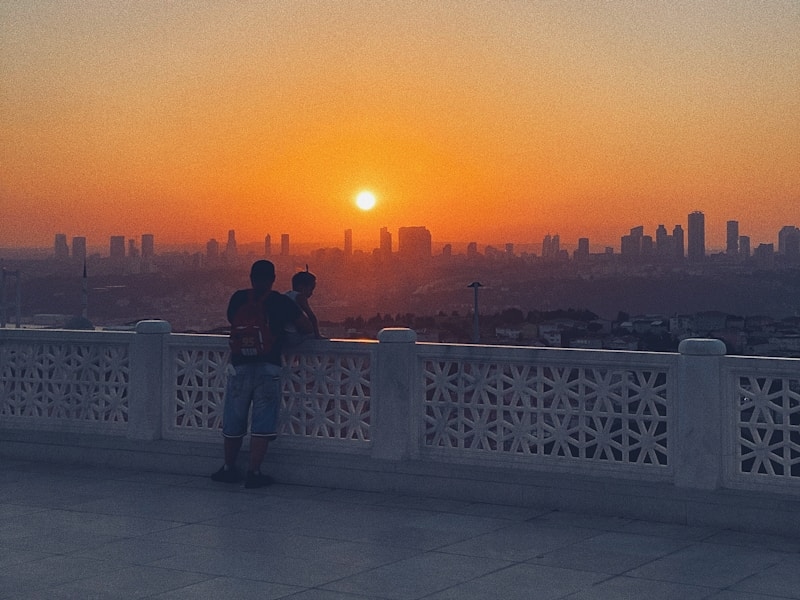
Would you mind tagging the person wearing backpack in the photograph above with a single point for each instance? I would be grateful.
(258, 317)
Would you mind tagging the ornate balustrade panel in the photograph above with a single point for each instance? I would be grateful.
(198, 379)
(326, 390)
(552, 406)
(71, 381)
(328, 395)
(763, 401)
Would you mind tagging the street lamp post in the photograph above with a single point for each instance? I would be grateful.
(476, 329)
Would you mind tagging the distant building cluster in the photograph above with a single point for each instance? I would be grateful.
(415, 243)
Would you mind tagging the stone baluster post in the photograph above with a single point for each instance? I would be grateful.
(699, 439)
(147, 365)
(393, 434)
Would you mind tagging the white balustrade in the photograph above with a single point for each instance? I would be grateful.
(697, 418)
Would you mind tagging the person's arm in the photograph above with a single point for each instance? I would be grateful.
(290, 312)
(302, 301)
(236, 301)
(303, 323)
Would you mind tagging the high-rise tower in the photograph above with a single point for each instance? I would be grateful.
(732, 238)
(678, 241)
(79, 248)
(230, 248)
(414, 243)
(696, 246)
(148, 245)
(117, 246)
(386, 242)
(348, 242)
(60, 248)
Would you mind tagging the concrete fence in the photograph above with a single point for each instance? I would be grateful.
(397, 410)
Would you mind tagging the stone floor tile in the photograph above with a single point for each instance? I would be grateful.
(627, 588)
(782, 579)
(122, 584)
(14, 556)
(416, 577)
(512, 513)
(756, 540)
(169, 503)
(519, 541)
(225, 587)
(274, 568)
(556, 518)
(610, 552)
(12, 511)
(669, 530)
(731, 595)
(432, 504)
(705, 564)
(521, 582)
(131, 551)
(51, 571)
(318, 594)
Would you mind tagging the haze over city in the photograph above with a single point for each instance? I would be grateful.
(496, 122)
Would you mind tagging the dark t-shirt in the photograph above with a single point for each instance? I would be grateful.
(278, 311)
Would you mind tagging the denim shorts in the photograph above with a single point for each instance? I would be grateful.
(257, 385)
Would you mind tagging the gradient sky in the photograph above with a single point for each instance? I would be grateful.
(483, 120)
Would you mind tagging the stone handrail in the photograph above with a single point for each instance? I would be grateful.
(696, 418)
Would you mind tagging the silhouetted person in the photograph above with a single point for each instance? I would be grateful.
(303, 285)
(258, 317)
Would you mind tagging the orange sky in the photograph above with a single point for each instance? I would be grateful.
(489, 121)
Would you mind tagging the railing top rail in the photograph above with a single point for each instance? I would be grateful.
(62, 335)
(544, 355)
(221, 341)
(772, 363)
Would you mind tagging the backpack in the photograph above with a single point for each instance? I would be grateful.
(251, 336)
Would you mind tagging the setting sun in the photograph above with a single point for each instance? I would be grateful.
(365, 200)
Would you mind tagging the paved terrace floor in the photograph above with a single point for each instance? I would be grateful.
(86, 532)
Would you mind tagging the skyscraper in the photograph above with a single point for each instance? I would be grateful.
(386, 242)
(284, 244)
(60, 248)
(230, 248)
(696, 246)
(744, 246)
(348, 242)
(79, 249)
(148, 245)
(732, 238)
(212, 249)
(117, 246)
(582, 251)
(268, 245)
(789, 241)
(414, 243)
(678, 241)
(631, 244)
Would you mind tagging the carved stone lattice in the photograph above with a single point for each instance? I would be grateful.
(613, 415)
(768, 426)
(200, 388)
(327, 396)
(63, 381)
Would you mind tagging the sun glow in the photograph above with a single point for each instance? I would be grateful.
(365, 200)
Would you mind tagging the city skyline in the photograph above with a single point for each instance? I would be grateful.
(494, 121)
(683, 241)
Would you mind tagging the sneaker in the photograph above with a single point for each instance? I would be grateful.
(225, 475)
(257, 480)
